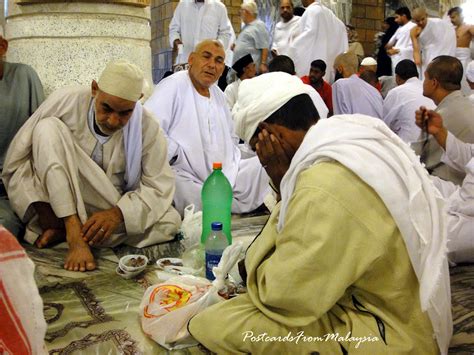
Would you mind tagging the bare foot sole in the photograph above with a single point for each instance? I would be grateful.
(80, 258)
(50, 237)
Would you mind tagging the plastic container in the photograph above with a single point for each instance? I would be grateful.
(215, 244)
(216, 197)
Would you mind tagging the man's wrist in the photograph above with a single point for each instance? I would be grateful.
(118, 212)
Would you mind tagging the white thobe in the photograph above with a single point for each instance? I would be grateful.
(194, 22)
(354, 95)
(49, 160)
(200, 131)
(399, 109)
(284, 34)
(323, 36)
(231, 92)
(460, 200)
(401, 40)
(437, 38)
(464, 56)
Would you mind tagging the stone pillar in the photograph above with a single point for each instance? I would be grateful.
(367, 17)
(71, 42)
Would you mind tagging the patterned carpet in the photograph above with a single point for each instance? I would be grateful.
(97, 312)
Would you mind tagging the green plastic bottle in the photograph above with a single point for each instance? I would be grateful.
(216, 198)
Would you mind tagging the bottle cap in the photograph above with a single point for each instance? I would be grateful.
(216, 226)
(216, 165)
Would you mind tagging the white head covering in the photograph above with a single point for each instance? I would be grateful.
(470, 71)
(259, 97)
(122, 79)
(367, 61)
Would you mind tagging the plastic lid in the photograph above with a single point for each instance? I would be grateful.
(216, 226)
(216, 165)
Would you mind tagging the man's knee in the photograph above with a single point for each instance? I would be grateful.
(48, 129)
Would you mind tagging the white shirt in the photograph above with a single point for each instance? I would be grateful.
(399, 109)
(193, 22)
(322, 36)
(284, 34)
(231, 92)
(460, 200)
(401, 40)
(354, 95)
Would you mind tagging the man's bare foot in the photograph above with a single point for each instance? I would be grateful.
(50, 237)
(79, 258)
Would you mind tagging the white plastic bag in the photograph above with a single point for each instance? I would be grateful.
(166, 308)
(191, 227)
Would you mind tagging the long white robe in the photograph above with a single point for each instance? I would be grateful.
(284, 34)
(437, 38)
(323, 36)
(354, 95)
(464, 55)
(399, 109)
(193, 22)
(460, 200)
(200, 131)
(401, 40)
(49, 160)
(231, 92)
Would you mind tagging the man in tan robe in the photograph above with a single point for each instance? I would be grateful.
(90, 166)
(340, 267)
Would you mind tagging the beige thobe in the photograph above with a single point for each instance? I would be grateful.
(339, 266)
(49, 160)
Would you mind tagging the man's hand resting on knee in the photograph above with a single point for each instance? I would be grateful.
(101, 225)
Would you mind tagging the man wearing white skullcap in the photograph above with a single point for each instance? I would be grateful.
(90, 167)
(340, 259)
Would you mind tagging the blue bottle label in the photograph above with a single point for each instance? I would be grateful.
(212, 260)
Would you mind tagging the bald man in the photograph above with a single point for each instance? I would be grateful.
(90, 167)
(431, 37)
(352, 94)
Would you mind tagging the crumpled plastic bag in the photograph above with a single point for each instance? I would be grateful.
(167, 307)
(191, 227)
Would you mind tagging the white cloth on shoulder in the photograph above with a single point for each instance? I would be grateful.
(381, 159)
(261, 96)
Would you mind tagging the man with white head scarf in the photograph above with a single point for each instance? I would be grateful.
(354, 255)
(90, 167)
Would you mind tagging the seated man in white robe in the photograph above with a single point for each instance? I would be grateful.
(460, 199)
(90, 167)
(355, 249)
(401, 103)
(352, 94)
(245, 69)
(431, 37)
(195, 117)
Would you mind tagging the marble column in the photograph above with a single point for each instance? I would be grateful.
(70, 42)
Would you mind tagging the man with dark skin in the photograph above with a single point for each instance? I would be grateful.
(316, 80)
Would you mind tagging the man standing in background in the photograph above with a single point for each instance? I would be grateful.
(194, 21)
(464, 36)
(285, 30)
(400, 46)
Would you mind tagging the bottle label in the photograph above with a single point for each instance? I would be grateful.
(212, 260)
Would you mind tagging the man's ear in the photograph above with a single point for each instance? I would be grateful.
(3, 46)
(94, 88)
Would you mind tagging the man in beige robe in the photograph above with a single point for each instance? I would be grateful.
(90, 166)
(340, 267)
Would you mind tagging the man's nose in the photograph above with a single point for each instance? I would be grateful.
(114, 120)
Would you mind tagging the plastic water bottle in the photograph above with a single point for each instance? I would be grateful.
(216, 197)
(215, 244)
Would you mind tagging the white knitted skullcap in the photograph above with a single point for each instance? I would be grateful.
(122, 79)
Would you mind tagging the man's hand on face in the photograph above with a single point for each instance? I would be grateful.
(101, 225)
(272, 154)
